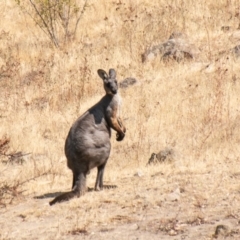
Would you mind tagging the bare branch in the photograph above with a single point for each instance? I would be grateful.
(58, 19)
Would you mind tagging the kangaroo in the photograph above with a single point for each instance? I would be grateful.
(88, 142)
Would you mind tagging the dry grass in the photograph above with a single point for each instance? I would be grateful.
(191, 107)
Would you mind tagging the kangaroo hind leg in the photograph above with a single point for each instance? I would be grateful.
(99, 180)
(74, 179)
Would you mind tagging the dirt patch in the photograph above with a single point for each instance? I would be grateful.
(140, 210)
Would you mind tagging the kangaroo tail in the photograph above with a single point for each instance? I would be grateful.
(64, 197)
(79, 188)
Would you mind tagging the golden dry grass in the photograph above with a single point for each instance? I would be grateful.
(192, 107)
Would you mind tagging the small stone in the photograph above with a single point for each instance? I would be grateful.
(221, 230)
(172, 232)
(174, 196)
(134, 227)
(138, 174)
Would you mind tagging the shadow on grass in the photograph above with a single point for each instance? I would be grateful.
(55, 194)
(104, 187)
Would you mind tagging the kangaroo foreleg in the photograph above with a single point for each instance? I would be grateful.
(121, 124)
(117, 125)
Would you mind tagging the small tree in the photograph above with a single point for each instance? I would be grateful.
(58, 19)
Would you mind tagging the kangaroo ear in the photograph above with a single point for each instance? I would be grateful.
(102, 74)
(112, 73)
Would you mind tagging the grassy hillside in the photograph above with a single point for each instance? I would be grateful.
(191, 107)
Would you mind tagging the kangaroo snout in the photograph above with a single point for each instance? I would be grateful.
(114, 91)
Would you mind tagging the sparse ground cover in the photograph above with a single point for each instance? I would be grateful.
(189, 106)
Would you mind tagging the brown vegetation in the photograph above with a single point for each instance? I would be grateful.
(191, 107)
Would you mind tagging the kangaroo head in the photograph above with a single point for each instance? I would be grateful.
(109, 81)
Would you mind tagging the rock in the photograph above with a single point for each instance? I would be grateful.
(235, 37)
(127, 82)
(236, 51)
(172, 232)
(225, 28)
(138, 174)
(221, 230)
(165, 155)
(134, 227)
(177, 47)
(174, 196)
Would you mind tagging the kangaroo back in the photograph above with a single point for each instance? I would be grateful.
(88, 142)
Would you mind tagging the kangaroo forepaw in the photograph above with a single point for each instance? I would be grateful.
(120, 136)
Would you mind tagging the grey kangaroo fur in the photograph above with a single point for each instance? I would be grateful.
(88, 142)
